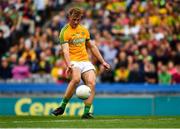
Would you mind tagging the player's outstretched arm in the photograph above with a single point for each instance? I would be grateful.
(95, 51)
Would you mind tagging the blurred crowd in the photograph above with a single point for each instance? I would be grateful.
(140, 39)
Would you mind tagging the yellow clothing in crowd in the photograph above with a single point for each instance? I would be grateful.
(154, 20)
(121, 75)
(57, 72)
(116, 6)
(29, 55)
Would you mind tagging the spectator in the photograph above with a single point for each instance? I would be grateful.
(176, 76)
(43, 65)
(28, 54)
(164, 77)
(21, 70)
(109, 52)
(151, 76)
(40, 6)
(58, 72)
(27, 19)
(171, 68)
(13, 58)
(121, 60)
(5, 69)
(55, 23)
(3, 44)
(177, 54)
(121, 74)
(5, 28)
(135, 75)
(121, 71)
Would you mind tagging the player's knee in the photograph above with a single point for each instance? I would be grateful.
(91, 83)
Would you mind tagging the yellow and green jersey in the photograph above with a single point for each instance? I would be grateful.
(76, 38)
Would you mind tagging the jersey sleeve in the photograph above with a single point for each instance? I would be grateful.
(63, 36)
(87, 36)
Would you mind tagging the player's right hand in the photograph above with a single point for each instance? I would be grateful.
(69, 70)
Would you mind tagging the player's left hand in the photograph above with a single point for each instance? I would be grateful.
(106, 66)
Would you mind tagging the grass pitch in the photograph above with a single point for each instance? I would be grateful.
(98, 122)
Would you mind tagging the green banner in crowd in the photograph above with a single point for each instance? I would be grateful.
(101, 106)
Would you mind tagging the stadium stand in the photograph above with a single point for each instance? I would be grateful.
(140, 39)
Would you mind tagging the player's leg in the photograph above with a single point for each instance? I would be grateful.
(89, 78)
(76, 76)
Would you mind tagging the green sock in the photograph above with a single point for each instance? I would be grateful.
(87, 108)
(64, 102)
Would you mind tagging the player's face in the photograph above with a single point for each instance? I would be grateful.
(74, 21)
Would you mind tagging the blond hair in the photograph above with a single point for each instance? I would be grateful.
(75, 12)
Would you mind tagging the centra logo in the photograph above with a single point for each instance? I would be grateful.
(28, 106)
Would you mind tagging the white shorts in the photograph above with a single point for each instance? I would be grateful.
(83, 66)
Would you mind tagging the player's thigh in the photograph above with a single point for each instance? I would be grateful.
(76, 75)
(89, 78)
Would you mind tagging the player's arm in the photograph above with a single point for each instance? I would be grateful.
(95, 51)
(64, 41)
(65, 50)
